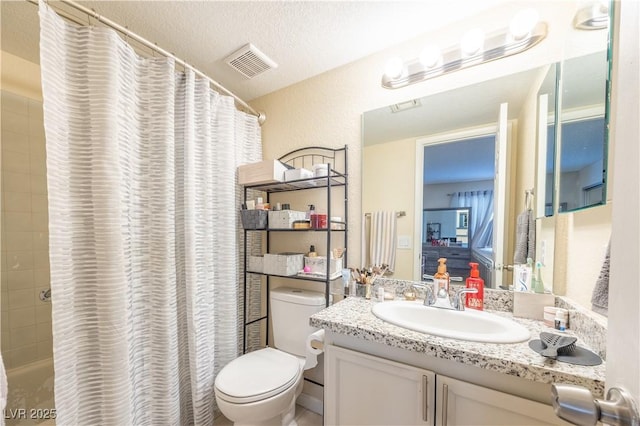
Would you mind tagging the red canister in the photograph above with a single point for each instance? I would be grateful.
(319, 221)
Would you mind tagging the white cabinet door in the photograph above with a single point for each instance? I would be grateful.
(365, 390)
(462, 403)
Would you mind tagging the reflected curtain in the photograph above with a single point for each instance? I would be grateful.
(481, 221)
(141, 164)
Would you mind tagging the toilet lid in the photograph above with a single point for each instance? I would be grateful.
(257, 375)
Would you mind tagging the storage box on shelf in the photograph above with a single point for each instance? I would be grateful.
(295, 174)
(283, 219)
(254, 219)
(318, 266)
(267, 171)
(286, 264)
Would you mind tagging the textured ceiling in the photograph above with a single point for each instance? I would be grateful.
(305, 38)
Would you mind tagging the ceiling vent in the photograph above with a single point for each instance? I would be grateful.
(249, 61)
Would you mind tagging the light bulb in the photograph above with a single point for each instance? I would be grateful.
(431, 56)
(601, 14)
(523, 23)
(472, 42)
(394, 67)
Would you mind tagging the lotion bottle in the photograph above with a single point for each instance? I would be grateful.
(441, 280)
(311, 211)
(475, 301)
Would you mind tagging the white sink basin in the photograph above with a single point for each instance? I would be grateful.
(470, 324)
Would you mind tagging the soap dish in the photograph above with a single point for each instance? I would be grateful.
(578, 355)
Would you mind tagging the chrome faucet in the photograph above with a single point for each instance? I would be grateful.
(429, 298)
(458, 303)
(441, 299)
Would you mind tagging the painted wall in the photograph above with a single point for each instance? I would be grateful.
(392, 190)
(588, 233)
(439, 193)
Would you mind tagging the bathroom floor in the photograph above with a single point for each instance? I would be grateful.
(304, 417)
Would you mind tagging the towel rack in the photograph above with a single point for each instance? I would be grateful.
(398, 214)
(528, 195)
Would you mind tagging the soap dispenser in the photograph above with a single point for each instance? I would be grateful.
(441, 280)
(475, 300)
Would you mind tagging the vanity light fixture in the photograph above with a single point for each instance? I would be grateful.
(431, 56)
(524, 32)
(472, 43)
(522, 23)
(394, 68)
(594, 17)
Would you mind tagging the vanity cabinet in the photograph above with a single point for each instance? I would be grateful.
(362, 389)
(462, 403)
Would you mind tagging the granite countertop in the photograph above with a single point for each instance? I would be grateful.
(352, 317)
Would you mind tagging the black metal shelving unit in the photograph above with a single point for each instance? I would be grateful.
(337, 177)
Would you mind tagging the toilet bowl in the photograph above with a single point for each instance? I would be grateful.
(261, 387)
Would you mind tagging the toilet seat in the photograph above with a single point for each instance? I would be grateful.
(257, 375)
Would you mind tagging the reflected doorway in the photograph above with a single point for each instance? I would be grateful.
(458, 203)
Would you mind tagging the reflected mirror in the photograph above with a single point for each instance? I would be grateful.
(446, 227)
(546, 143)
(582, 132)
(446, 234)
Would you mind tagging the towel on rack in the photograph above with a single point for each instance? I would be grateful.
(525, 237)
(600, 296)
(382, 239)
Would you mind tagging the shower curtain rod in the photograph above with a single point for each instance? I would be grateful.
(92, 13)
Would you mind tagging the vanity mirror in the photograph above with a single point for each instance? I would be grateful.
(450, 138)
(390, 135)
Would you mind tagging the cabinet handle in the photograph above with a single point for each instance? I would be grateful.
(445, 403)
(425, 399)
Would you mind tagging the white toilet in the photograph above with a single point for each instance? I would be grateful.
(261, 387)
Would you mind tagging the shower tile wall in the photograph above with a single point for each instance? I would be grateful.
(26, 320)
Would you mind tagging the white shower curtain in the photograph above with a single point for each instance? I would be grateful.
(143, 226)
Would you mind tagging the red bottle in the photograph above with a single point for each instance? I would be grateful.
(475, 300)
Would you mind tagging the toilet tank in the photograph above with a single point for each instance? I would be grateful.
(290, 312)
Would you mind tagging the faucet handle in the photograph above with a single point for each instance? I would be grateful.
(429, 298)
(457, 300)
